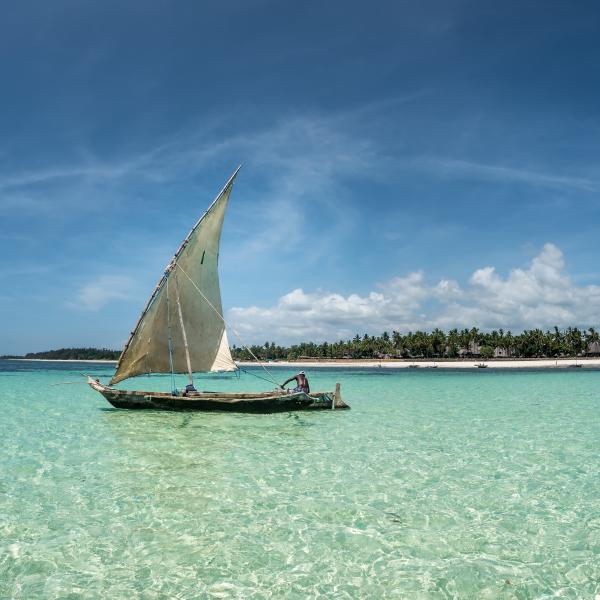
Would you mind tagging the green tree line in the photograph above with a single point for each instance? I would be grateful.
(532, 343)
(73, 354)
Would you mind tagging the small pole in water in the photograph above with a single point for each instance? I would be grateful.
(336, 395)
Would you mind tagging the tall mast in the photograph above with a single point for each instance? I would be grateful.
(170, 337)
(185, 342)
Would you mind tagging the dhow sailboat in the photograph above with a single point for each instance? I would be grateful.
(182, 330)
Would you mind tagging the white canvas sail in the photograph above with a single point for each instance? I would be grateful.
(192, 278)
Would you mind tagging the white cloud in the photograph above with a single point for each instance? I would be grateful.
(541, 295)
(447, 290)
(106, 288)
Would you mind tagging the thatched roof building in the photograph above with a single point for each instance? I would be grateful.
(473, 349)
(593, 349)
(500, 352)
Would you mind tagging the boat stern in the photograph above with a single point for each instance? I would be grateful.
(337, 398)
(328, 400)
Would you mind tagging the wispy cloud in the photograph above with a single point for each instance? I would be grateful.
(30, 178)
(143, 165)
(304, 162)
(95, 294)
(448, 167)
(299, 162)
(541, 295)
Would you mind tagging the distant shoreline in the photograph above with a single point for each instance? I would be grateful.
(66, 360)
(524, 363)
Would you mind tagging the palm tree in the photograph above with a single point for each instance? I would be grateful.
(508, 343)
(438, 342)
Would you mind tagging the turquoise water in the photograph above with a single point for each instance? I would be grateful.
(435, 485)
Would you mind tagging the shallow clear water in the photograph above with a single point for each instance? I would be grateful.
(436, 484)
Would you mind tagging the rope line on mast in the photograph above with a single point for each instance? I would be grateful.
(170, 339)
(272, 379)
(185, 342)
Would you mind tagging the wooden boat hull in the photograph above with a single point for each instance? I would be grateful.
(265, 402)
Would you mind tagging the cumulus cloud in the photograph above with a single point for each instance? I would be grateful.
(102, 290)
(540, 295)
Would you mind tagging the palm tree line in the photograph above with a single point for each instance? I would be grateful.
(464, 343)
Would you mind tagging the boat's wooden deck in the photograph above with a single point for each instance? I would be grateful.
(205, 394)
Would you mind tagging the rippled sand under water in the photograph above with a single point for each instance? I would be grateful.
(435, 485)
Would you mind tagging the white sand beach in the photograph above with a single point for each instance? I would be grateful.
(541, 363)
(531, 363)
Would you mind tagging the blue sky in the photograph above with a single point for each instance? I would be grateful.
(405, 164)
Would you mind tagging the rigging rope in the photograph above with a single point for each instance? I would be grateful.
(272, 379)
(173, 388)
(255, 375)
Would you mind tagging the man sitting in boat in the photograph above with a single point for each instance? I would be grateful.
(190, 390)
(301, 383)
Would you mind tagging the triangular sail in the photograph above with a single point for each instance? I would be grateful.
(193, 275)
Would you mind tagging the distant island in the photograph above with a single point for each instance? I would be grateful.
(437, 344)
(71, 354)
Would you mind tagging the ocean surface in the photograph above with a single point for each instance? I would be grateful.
(437, 484)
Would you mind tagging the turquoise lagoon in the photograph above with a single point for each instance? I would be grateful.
(437, 484)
